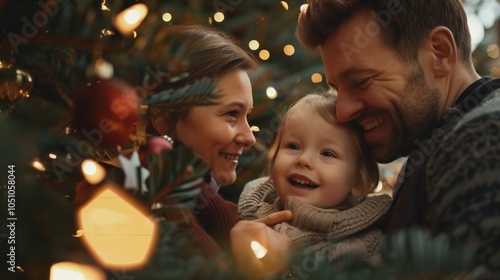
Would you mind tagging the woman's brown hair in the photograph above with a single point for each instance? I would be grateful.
(208, 53)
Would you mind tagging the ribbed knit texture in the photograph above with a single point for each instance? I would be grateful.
(338, 233)
(216, 215)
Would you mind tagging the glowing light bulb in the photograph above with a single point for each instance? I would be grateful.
(166, 17)
(264, 54)
(93, 172)
(253, 45)
(289, 50)
(75, 271)
(129, 19)
(219, 17)
(271, 92)
(38, 165)
(259, 250)
(316, 78)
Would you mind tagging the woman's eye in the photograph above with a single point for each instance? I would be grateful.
(328, 154)
(233, 113)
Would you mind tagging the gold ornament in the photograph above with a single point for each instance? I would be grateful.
(14, 83)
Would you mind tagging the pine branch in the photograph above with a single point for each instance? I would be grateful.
(198, 93)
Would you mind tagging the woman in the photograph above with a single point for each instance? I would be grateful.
(217, 133)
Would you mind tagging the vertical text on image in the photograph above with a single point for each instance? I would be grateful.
(11, 216)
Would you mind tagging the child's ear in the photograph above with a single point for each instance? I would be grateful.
(356, 192)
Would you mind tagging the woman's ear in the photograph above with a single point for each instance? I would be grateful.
(442, 51)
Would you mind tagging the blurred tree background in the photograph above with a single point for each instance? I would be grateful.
(51, 49)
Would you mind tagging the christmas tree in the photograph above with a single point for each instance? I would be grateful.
(53, 52)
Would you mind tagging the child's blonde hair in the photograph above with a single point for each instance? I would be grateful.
(324, 105)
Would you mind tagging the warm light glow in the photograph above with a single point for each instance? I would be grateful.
(79, 233)
(92, 171)
(129, 19)
(75, 271)
(271, 92)
(104, 7)
(218, 17)
(264, 54)
(289, 50)
(52, 156)
(116, 229)
(259, 250)
(285, 5)
(166, 17)
(493, 51)
(255, 128)
(379, 187)
(103, 69)
(495, 72)
(316, 78)
(303, 7)
(38, 165)
(253, 45)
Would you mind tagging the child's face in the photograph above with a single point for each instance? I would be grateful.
(316, 161)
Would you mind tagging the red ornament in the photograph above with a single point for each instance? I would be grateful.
(106, 112)
(154, 145)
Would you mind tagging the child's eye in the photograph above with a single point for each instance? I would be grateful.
(292, 146)
(328, 154)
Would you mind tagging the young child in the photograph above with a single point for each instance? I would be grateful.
(321, 170)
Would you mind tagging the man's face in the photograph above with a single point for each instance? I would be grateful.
(390, 99)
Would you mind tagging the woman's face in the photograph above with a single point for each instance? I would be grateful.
(219, 133)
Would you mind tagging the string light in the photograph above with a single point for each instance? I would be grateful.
(303, 8)
(117, 230)
(264, 54)
(284, 5)
(316, 78)
(219, 17)
(253, 45)
(38, 165)
(75, 271)
(255, 128)
(271, 92)
(129, 19)
(289, 50)
(166, 17)
(103, 69)
(93, 172)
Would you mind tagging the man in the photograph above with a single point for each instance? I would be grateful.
(403, 71)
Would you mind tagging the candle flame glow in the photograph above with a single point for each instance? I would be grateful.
(259, 250)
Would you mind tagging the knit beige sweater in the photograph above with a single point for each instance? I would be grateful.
(343, 232)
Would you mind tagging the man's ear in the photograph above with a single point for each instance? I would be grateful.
(442, 50)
